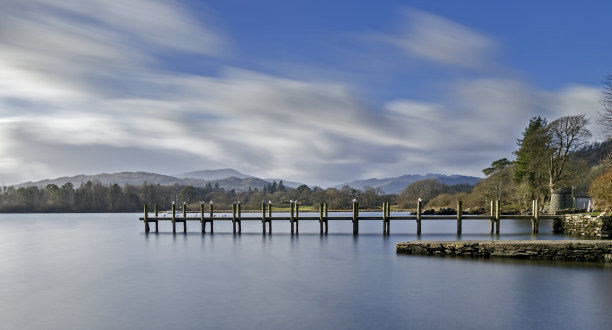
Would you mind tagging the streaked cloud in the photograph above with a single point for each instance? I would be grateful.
(84, 89)
(442, 41)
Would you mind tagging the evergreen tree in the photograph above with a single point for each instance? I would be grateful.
(531, 165)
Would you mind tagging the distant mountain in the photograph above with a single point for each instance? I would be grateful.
(139, 178)
(133, 178)
(290, 184)
(239, 181)
(396, 185)
(227, 173)
(214, 174)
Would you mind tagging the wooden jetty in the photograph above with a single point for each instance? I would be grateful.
(294, 217)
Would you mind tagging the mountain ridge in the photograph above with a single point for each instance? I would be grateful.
(395, 185)
(239, 181)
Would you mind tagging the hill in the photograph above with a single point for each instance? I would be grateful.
(139, 178)
(213, 174)
(397, 184)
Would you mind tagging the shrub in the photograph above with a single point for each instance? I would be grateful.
(601, 191)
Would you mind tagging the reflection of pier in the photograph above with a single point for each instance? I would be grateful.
(294, 217)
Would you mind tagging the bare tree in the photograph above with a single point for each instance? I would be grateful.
(567, 134)
(606, 102)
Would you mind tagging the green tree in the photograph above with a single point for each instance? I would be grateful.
(423, 189)
(496, 166)
(531, 170)
(188, 194)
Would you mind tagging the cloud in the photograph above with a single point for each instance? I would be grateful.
(480, 121)
(440, 40)
(83, 90)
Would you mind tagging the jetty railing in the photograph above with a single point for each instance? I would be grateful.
(294, 217)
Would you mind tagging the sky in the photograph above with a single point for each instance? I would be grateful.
(321, 92)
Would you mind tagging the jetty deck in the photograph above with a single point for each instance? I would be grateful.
(267, 217)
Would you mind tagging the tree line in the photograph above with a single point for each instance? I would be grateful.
(97, 197)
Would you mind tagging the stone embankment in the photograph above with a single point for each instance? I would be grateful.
(584, 225)
(560, 250)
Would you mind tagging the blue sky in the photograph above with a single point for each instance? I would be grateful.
(320, 92)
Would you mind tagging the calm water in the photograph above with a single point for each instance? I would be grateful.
(101, 271)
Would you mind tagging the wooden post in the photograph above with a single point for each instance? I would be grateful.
(355, 217)
(325, 216)
(239, 217)
(184, 217)
(212, 215)
(384, 217)
(418, 217)
(234, 217)
(270, 217)
(291, 219)
(497, 216)
(492, 221)
(321, 218)
(388, 218)
(537, 216)
(146, 218)
(459, 213)
(156, 219)
(173, 218)
(533, 211)
(263, 216)
(202, 220)
(297, 217)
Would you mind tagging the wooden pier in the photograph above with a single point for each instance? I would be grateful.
(294, 218)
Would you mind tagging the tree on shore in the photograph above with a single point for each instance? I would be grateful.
(567, 134)
(530, 171)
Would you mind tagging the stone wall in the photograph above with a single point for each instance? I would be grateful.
(579, 250)
(584, 225)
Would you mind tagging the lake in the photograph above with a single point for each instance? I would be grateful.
(101, 271)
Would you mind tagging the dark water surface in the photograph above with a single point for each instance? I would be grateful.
(101, 271)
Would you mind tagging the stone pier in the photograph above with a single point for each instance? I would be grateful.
(560, 250)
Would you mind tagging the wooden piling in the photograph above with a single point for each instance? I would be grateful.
(355, 218)
(263, 216)
(212, 216)
(146, 219)
(234, 209)
(418, 217)
(297, 217)
(270, 217)
(384, 217)
(156, 220)
(459, 213)
(202, 220)
(173, 218)
(321, 218)
(291, 216)
(184, 216)
(497, 216)
(388, 218)
(492, 221)
(536, 215)
(239, 218)
(325, 217)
